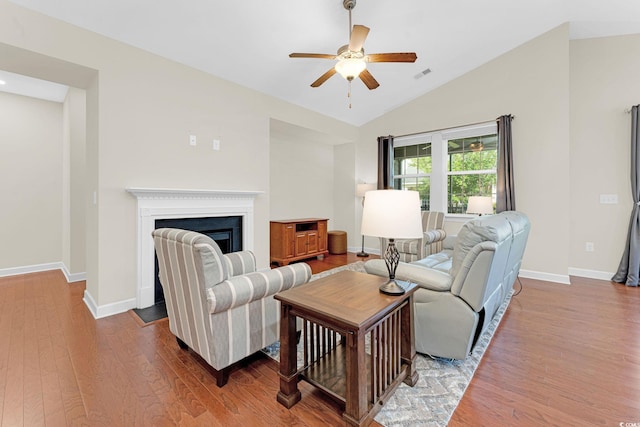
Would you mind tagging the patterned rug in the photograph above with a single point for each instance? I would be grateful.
(442, 382)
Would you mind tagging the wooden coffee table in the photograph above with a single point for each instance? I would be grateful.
(358, 343)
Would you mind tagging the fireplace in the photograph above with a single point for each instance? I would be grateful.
(225, 230)
(155, 204)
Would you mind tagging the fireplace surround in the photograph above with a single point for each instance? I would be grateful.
(162, 203)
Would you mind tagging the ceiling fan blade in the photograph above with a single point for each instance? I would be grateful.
(312, 55)
(358, 36)
(368, 79)
(392, 57)
(323, 78)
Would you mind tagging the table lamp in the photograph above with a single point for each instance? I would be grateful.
(392, 214)
(481, 205)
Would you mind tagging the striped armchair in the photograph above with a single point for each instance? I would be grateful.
(219, 305)
(431, 242)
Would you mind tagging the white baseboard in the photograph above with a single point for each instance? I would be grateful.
(591, 274)
(14, 271)
(71, 277)
(107, 309)
(90, 303)
(547, 277)
(538, 275)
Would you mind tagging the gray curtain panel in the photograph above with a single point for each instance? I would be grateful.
(505, 192)
(385, 162)
(629, 268)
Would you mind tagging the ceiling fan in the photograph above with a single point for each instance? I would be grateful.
(352, 61)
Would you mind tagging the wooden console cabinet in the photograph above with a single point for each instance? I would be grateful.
(296, 239)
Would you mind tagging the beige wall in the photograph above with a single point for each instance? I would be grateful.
(571, 142)
(532, 83)
(74, 188)
(604, 83)
(30, 181)
(301, 176)
(344, 187)
(140, 111)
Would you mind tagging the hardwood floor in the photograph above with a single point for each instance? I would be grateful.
(563, 355)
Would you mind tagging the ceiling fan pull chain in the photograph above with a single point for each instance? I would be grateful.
(349, 94)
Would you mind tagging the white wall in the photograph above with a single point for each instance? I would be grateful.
(301, 177)
(74, 187)
(30, 181)
(140, 111)
(604, 83)
(532, 83)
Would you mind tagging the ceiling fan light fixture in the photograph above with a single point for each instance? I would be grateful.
(350, 68)
(476, 146)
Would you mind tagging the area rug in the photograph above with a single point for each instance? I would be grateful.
(442, 382)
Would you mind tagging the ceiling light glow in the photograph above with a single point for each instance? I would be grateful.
(350, 68)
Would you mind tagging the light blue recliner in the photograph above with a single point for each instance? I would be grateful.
(462, 287)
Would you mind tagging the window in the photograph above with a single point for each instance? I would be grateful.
(448, 166)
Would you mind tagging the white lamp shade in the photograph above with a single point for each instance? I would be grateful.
(361, 189)
(392, 214)
(480, 205)
(350, 68)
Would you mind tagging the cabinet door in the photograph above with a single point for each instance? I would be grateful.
(302, 243)
(289, 241)
(312, 242)
(322, 236)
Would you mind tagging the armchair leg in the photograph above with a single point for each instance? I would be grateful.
(221, 376)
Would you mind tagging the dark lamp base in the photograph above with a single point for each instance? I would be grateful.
(362, 254)
(392, 287)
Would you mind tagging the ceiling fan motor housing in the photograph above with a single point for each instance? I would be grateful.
(349, 4)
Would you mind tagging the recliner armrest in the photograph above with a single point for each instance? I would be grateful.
(425, 277)
(246, 288)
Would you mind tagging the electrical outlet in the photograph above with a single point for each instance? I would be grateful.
(216, 144)
(609, 199)
(589, 247)
(192, 140)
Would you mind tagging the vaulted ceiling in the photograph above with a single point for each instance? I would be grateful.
(248, 41)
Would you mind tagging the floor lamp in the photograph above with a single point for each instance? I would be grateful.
(361, 190)
(392, 214)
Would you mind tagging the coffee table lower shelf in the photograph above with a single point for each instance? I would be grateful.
(329, 375)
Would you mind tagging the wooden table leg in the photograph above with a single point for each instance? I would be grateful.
(356, 404)
(408, 346)
(289, 394)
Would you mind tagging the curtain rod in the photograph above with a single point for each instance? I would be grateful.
(450, 127)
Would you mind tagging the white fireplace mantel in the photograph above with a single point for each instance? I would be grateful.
(164, 203)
